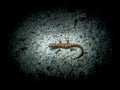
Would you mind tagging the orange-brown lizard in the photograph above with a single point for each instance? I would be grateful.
(67, 45)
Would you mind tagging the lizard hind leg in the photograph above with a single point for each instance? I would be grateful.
(71, 49)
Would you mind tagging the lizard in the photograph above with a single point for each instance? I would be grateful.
(67, 45)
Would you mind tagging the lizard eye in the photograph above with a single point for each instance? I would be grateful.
(49, 45)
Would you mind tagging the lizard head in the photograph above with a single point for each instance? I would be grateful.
(52, 45)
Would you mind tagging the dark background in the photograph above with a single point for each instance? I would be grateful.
(14, 11)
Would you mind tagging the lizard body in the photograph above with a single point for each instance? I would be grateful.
(67, 45)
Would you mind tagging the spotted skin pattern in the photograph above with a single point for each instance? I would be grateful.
(67, 45)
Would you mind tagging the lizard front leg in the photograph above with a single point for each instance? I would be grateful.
(67, 41)
(57, 51)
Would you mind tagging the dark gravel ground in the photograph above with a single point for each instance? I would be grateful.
(28, 44)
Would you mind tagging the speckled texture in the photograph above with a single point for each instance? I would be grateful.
(28, 45)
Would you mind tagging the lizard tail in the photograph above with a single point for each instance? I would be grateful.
(82, 51)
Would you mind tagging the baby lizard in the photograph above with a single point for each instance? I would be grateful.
(67, 45)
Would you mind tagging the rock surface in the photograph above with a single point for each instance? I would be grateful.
(28, 45)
